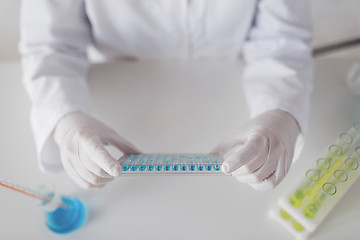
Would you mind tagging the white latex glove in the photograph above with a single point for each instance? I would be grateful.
(260, 152)
(82, 141)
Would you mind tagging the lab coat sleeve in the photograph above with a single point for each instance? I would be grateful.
(279, 66)
(54, 38)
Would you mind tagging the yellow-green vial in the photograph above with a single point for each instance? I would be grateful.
(311, 210)
(297, 198)
(326, 192)
(284, 214)
(312, 176)
(297, 226)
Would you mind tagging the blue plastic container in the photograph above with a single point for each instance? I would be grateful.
(67, 220)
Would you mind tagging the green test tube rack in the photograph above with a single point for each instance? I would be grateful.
(301, 210)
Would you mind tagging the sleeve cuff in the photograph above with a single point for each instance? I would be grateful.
(57, 98)
(47, 150)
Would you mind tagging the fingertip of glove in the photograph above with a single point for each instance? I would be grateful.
(115, 171)
(225, 168)
(228, 167)
(96, 187)
(263, 186)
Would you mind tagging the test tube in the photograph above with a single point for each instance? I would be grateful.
(347, 169)
(355, 131)
(356, 154)
(284, 214)
(345, 140)
(350, 165)
(326, 192)
(296, 225)
(339, 177)
(314, 175)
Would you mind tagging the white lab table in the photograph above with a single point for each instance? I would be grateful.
(172, 107)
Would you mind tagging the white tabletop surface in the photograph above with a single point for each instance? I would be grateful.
(172, 107)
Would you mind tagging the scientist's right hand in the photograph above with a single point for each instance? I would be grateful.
(82, 140)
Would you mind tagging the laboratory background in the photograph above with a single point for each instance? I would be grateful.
(189, 207)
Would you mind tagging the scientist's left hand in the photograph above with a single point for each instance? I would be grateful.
(260, 152)
(82, 141)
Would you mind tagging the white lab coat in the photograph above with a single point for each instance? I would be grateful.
(272, 35)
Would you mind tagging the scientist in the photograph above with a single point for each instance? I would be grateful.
(271, 35)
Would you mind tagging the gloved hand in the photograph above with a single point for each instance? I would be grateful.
(82, 141)
(260, 152)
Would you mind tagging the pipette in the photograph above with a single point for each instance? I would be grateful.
(27, 191)
(63, 214)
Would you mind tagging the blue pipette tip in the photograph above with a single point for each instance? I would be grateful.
(67, 220)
